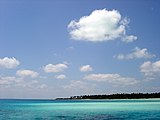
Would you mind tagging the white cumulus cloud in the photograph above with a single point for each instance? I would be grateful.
(112, 78)
(9, 63)
(86, 68)
(55, 67)
(27, 73)
(150, 69)
(136, 53)
(100, 25)
(60, 76)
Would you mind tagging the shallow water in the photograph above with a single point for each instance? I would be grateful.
(80, 109)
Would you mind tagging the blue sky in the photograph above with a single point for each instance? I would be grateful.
(61, 48)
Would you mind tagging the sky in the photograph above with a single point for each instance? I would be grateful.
(63, 48)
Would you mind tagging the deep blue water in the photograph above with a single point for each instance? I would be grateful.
(144, 109)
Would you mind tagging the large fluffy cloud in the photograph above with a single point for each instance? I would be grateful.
(100, 25)
(136, 53)
(112, 78)
(55, 67)
(27, 73)
(86, 68)
(9, 63)
(150, 69)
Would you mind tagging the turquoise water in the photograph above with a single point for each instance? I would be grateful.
(148, 109)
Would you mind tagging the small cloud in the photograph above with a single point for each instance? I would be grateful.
(136, 54)
(151, 69)
(60, 76)
(9, 63)
(86, 68)
(27, 73)
(115, 79)
(55, 67)
(100, 25)
(129, 38)
(120, 56)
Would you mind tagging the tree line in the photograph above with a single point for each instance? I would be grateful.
(118, 96)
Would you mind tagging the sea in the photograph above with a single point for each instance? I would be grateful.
(133, 109)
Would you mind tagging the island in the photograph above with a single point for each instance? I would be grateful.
(115, 96)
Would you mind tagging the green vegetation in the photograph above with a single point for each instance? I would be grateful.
(116, 96)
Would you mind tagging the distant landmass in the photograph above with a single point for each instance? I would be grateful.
(115, 96)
